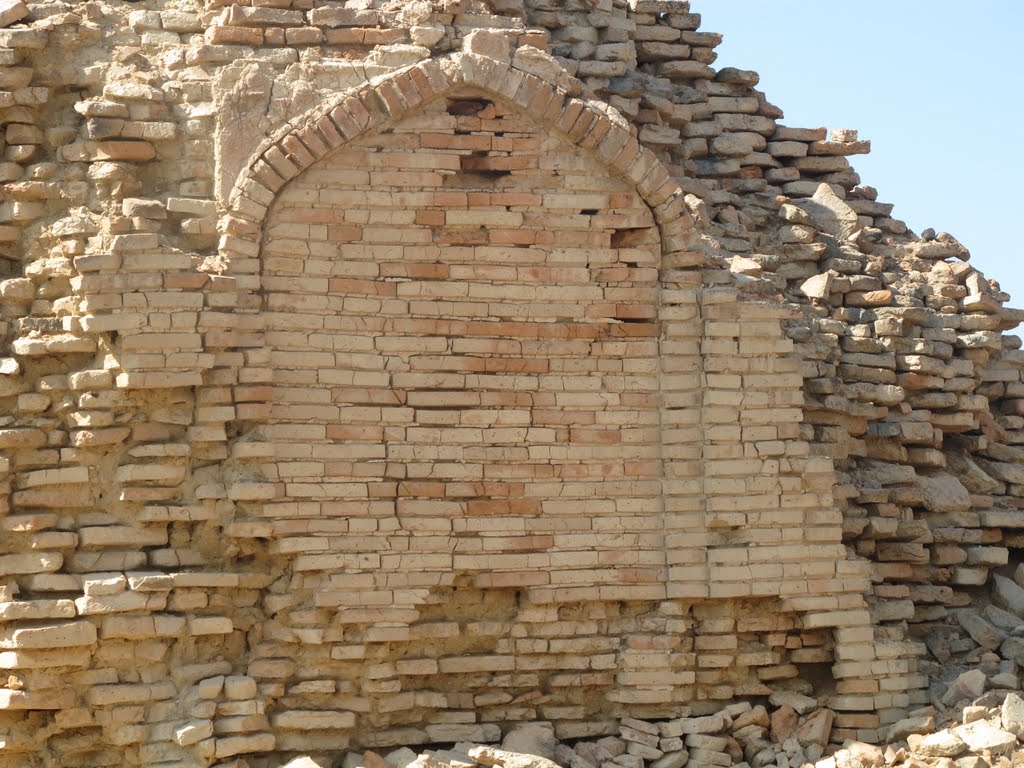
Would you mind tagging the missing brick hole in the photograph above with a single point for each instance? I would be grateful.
(474, 180)
(627, 238)
(463, 107)
(589, 212)
(482, 161)
(476, 170)
(819, 676)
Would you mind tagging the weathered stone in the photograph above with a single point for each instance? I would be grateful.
(672, 760)
(485, 42)
(860, 753)
(498, 757)
(816, 729)
(944, 493)
(193, 732)
(968, 685)
(371, 759)
(985, 634)
(901, 729)
(817, 287)
(971, 475)
(25, 700)
(941, 744)
(55, 635)
(400, 758)
(12, 11)
(709, 724)
(1008, 595)
(980, 736)
(532, 739)
(1012, 714)
(800, 703)
(241, 745)
(1005, 680)
(784, 722)
(830, 213)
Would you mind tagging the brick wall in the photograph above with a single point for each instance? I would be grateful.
(386, 375)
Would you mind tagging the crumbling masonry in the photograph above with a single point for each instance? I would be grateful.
(385, 373)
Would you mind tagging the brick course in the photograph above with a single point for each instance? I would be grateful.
(382, 378)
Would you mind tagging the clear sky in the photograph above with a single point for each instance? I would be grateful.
(935, 85)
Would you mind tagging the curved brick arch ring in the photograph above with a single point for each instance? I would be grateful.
(371, 108)
(590, 125)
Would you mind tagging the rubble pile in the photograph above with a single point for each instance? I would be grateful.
(977, 648)
(791, 732)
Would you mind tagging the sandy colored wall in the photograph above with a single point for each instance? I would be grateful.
(370, 379)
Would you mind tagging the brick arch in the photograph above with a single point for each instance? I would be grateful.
(588, 124)
(591, 126)
(696, 573)
(588, 129)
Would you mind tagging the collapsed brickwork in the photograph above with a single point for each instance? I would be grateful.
(389, 373)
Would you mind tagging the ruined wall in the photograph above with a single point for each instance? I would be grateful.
(386, 373)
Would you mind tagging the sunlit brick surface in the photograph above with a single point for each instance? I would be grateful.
(462, 317)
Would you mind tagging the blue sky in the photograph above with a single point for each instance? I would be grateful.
(936, 86)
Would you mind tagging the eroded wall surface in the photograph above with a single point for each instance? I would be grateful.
(391, 373)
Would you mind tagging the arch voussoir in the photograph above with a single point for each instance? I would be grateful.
(591, 126)
(598, 130)
(311, 138)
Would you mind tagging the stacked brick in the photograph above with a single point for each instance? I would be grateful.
(23, 131)
(393, 373)
(790, 730)
(330, 223)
